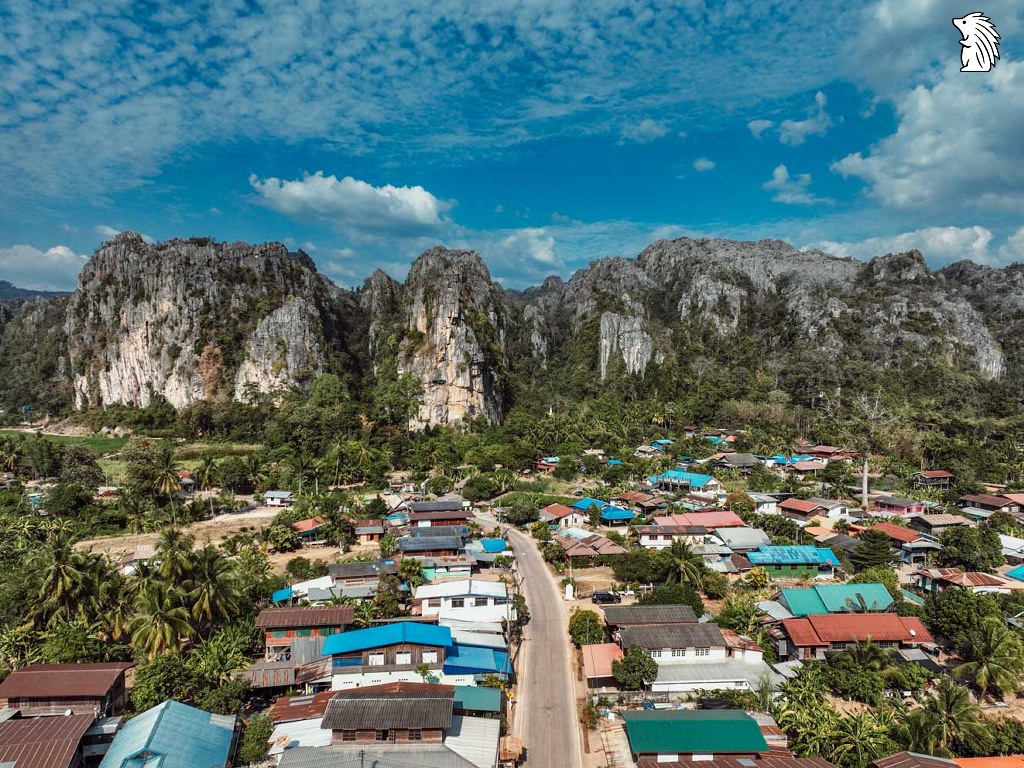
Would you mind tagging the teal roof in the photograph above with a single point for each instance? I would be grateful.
(835, 598)
(695, 479)
(477, 698)
(587, 502)
(700, 730)
(172, 735)
(388, 634)
(471, 659)
(612, 512)
(772, 554)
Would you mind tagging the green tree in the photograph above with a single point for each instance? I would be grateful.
(972, 549)
(255, 742)
(388, 545)
(585, 628)
(873, 551)
(993, 658)
(674, 594)
(879, 575)
(162, 622)
(636, 669)
(166, 677)
(541, 531)
(690, 565)
(213, 587)
(410, 572)
(945, 717)
(956, 612)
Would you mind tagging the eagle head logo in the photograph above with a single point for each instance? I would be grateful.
(980, 42)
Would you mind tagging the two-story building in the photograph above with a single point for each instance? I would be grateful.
(802, 510)
(662, 536)
(53, 689)
(897, 507)
(281, 626)
(401, 650)
(794, 562)
(561, 516)
(931, 480)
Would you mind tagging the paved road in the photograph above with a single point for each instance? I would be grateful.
(546, 709)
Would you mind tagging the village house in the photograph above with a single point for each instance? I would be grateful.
(834, 509)
(618, 617)
(359, 578)
(718, 518)
(44, 742)
(281, 626)
(934, 525)
(801, 510)
(794, 562)
(939, 580)
(174, 735)
(989, 503)
(693, 735)
(310, 530)
(597, 665)
(395, 652)
(662, 536)
(744, 463)
(810, 637)
(681, 481)
(805, 468)
(742, 539)
(612, 515)
(52, 689)
(471, 601)
(278, 499)
(896, 507)
(914, 546)
(764, 504)
(931, 480)
(429, 546)
(836, 598)
(368, 531)
(427, 519)
(562, 516)
(588, 547)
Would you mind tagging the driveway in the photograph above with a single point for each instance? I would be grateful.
(546, 717)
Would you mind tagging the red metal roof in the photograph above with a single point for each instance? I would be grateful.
(597, 659)
(962, 579)
(42, 742)
(935, 474)
(289, 709)
(800, 505)
(302, 526)
(897, 532)
(732, 762)
(310, 616)
(559, 510)
(42, 681)
(855, 627)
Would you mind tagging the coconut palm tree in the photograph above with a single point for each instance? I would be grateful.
(207, 473)
(255, 471)
(859, 739)
(945, 717)
(690, 564)
(167, 481)
(992, 659)
(162, 622)
(214, 592)
(174, 554)
(64, 572)
(869, 655)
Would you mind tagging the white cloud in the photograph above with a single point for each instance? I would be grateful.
(104, 231)
(682, 135)
(355, 206)
(1013, 249)
(795, 132)
(758, 127)
(940, 245)
(791, 190)
(55, 269)
(957, 146)
(536, 244)
(644, 132)
(702, 164)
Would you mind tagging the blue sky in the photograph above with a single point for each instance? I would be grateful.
(543, 134)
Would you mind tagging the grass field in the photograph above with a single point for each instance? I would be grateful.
(97, 443)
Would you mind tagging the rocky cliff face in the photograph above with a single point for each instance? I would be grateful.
(454, 340)
(189, 320)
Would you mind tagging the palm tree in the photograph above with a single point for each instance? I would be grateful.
(214, 592)
(859, 739)
(64, 574)
(691, 565)
(206, 475)
(255, 471)
(167, 480)
(174, 553)
(505, 479)
(162, 621)
(948, 715)
(870, 656)
(992, 655)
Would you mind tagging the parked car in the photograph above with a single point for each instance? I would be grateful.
(604, 598)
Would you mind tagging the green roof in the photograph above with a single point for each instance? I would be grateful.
(477, 698)
(835, 598)
(705, 731)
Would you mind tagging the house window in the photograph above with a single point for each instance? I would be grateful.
(836, 646)
(701, 651)
(678, 652)
(415, 735)
(656, 654)
(403, 657)
(480, 601)
(500, 600)
(279, 633)
(429, 657)
(348, 735)
(381, 736)
(458, 602)
(303, 632)
(887, 644)
(434, 602)
(376, 659)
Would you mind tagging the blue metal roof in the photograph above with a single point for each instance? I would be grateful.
(477, 698)
(612, 512)
(781, 459)
(696, 479)
(587, 502)
(662, 442)
(614, 462)
(388, 634)
(494, 546)
(173, 735)
(474, 660)
(771, 554)
(281, 595)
